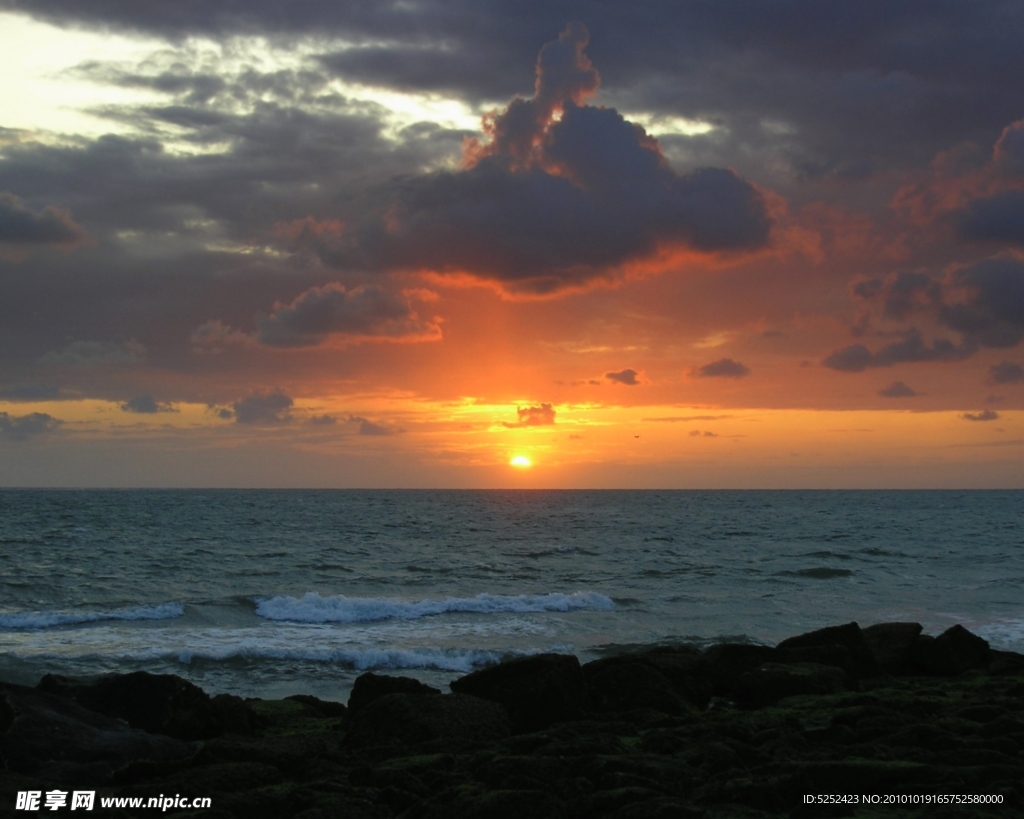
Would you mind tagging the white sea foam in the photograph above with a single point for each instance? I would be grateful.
(312, 608)
(48, 619)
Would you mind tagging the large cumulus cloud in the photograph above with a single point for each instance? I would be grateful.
(560, 194)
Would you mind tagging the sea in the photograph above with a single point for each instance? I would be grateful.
(268, 593)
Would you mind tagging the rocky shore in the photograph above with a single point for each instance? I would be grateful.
(880, 716)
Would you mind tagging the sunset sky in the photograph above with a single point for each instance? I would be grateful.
(753, 243)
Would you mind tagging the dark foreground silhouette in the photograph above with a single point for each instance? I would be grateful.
(878, 720)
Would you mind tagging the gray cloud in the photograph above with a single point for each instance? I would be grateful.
(20, 226)
(322, 420)
(332, 310)
(368, 427)
(627, 377)
(1006, 372)
(145, 404)
(22, 427)
(722, 368)
(984, 415)
(552, 202)
(30, 392)
(997, 218)
(263, 408)
(539, 416)
(897, 389)
(857, 358)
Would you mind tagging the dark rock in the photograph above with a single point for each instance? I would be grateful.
(892, 645)
(684, 668)
(536, 691)
(953, 652)
(772, 682)
(723, 663)
(861, 661)
(157, 703)
(325, 708)
(233, 715)
(55, 738)
(625, 684)
(406, 719)
(369, 687)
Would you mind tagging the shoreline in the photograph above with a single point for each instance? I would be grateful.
(734, 729)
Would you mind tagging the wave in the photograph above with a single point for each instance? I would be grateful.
(312, 608)
(364, 659)
(48, 619)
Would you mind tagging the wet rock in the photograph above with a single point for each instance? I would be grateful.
(892, 645)
(953, 652)
(772, 682)
(369, 687)
(157, 703)
(860, 663)
(407, 719)
(724, 663)
(625, 684)
(55, 738)
(536, 691)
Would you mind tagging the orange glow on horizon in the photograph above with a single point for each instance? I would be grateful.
(520, 462)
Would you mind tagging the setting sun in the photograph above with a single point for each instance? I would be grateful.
(521, 461)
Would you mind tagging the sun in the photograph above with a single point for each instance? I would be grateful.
(521, 462)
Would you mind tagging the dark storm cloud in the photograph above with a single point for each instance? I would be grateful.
(332, 310)
(30, 392)
(723, 368)
(998, 218)
(984, 415)
(22, 427)
(627, 377)
(145, 405)
(991, 310)
(857, 358)
(540, 416)
(897, 389)
(263, 408)
(552, 202)
(853, 82)
(21, 226)
(1006, 372)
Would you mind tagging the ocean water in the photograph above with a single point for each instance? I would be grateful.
(270, 593)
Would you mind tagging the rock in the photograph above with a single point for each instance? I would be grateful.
(772, 682)
(954, 651)
(157, 703)
(892, 645)
(536, 691)
(861, 662)
(55, 738)
(369, 687)
(626, 684)
(723, 663)
(407, 719)
(325, 708)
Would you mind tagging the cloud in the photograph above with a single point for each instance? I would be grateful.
(559, 195)
(984, 415)
(30, 392)
(95, 353)
(989, 302)
(627, 377)
(22, 427)
(367, 427)
(362, 312)
(263, 409)
(1006, 372)
(696, 433)
(997, 218)
(322, 420)
(22, 227)
(857, 358)
(145, 404)
(532, 417)
(722, 368)
(897, 389)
